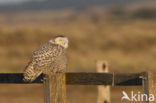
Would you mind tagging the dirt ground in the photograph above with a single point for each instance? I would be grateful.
(33, 93)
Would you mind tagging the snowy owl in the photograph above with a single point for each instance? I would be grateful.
(48, 57)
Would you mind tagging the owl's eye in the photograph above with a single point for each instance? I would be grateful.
(60, 40)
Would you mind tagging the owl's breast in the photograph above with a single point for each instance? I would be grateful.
(60, 64)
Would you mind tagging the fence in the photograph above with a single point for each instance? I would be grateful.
(84, 78)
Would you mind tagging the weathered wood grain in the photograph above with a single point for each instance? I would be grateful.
(103, 91)
(145, 85)
(84, 78)
(46, 87)
(54, 88)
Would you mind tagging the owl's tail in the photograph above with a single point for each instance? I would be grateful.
(31, 73)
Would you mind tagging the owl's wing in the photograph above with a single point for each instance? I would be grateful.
(31, 72)
(46, 53)
(42, 58)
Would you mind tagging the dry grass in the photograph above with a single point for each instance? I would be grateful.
(129, 45)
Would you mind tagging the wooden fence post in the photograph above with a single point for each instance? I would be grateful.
(55, 88)
(145, 86)
(152, 85)
(103, 91)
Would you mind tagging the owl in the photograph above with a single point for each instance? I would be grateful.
(48, 57)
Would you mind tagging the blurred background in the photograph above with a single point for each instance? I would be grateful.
(123, 32)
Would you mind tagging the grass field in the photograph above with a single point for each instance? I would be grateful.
(128, 44)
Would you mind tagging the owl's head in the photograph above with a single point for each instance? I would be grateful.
(61, 40)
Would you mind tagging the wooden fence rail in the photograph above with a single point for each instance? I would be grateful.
(88, 78)
(114, 79)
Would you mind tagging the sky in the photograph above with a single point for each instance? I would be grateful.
(2, 2)
(19, 5)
